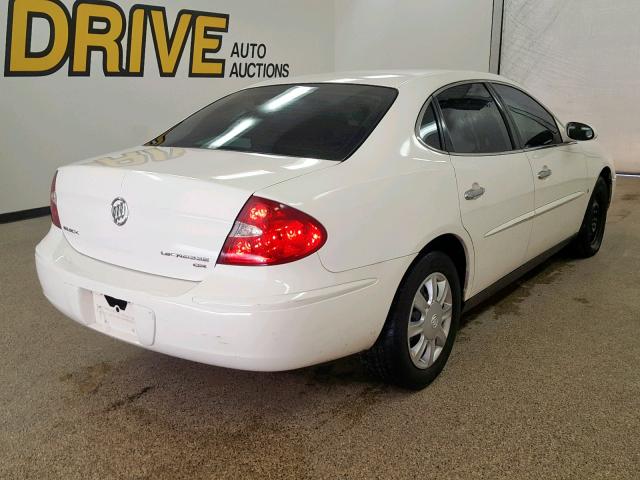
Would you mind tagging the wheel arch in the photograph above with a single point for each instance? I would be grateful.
(451, 245)
(457, 249)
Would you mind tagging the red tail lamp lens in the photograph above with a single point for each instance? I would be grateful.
(53, 203)
(269, 233)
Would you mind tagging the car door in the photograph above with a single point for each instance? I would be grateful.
(495, 183)
(559, 170)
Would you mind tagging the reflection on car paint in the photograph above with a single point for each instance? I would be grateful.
(140, 157)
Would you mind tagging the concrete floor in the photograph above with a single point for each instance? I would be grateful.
(544, 382)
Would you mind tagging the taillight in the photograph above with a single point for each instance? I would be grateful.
(269, 233)
(53, 203)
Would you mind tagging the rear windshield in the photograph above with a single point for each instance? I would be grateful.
(325, 121)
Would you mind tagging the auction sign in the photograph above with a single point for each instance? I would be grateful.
(101, 27)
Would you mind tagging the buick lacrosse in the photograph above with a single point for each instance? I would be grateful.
(294, 223)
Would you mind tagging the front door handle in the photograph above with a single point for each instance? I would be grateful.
(544, 173)
(476, 192)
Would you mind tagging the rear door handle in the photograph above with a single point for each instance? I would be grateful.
(476, 192)
(544, 173)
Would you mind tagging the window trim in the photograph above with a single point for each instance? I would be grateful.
(487, 83)
(439, 123)
(515, 126)
(514, 133)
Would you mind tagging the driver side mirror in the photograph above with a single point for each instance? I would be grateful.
(580, 132)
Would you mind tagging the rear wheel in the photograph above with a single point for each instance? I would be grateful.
(421, 327)
(591, 233)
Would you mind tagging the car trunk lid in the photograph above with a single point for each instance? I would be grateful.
(164, 211)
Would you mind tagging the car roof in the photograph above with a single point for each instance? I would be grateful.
(388, 78)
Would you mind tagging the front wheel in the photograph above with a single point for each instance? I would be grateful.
(589, 239)
(418, 335)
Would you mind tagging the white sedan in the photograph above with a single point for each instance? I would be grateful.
(294, 223)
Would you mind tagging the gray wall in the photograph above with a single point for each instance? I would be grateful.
(413, 34)
(582, 58)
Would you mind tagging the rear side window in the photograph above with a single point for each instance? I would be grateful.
(428, 130)
(473, 121)
(536, 126)
(325, 121)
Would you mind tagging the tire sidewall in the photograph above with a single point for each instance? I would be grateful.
(407, 373)
(601, 194)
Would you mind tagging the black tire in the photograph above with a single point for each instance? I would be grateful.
(390, 359)
(589, 239)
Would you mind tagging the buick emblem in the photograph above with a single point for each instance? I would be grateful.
(119, 211)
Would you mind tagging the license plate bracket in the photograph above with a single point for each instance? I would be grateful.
(114, 316)
(124, 320)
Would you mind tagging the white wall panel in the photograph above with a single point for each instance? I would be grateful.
(48, 121)
(51, 120)
(582, 58)
(378, 34)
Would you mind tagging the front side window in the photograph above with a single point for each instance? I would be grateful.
(536, 126)
(324, 120)
(473, 121)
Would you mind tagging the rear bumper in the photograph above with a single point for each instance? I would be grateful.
(260, 318)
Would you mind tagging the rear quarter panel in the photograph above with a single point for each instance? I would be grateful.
(389, 200)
